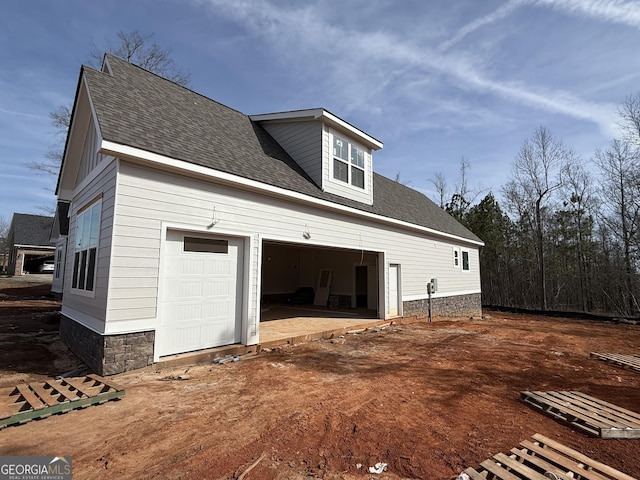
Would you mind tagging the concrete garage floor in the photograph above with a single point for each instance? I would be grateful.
(285, 324)
(281, 323)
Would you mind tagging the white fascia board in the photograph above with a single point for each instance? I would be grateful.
(320, 113)
(40, 247)
(133, 153)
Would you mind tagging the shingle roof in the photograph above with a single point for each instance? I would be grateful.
(140, 109)
(32, 230)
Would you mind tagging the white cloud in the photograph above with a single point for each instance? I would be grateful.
(613, 11)
(500, 13)
(359, 67)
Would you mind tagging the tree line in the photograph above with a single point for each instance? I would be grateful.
(565, 235)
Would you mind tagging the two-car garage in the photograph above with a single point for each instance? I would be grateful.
(202, 288)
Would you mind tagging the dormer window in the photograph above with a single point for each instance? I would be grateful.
(348, 162)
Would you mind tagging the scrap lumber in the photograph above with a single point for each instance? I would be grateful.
(625, 361)
(542, 459)
(26, 402)
(588, 414)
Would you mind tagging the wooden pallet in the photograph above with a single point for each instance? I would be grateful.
(588, 414)
(625, 361)
(542, 459)
(39, 400)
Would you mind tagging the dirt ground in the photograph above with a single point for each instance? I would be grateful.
(427, 399)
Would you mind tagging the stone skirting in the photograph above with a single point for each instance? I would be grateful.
(108, 354)
(455, 306)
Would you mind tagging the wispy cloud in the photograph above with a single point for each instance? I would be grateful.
(613, 11)
(22, 114)
(500, 13)
(359, 65)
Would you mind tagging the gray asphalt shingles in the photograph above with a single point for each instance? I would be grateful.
(140, 109)
(33, 230)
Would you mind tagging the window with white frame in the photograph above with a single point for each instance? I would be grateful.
(86, 247)
(58, 263)
(456, 258)
(348, 162)
(465, 260)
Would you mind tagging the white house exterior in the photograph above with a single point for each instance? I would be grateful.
(185, 215)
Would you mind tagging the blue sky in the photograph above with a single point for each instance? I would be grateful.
(434, 80)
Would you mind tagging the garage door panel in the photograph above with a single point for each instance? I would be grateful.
(202, 295)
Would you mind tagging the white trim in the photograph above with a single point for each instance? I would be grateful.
(19, 245)
(319, 113)
(81, 318)
(116, 149)
(425, 296)
(120, 327)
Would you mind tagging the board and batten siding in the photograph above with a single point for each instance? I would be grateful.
(337, 187)
(90, 309)
(148, 198)
(90, 156)
(302, 141)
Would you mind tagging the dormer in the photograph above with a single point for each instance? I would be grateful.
(336, 155)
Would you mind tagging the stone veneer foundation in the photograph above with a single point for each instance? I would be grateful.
(455, 306)
(108, 354)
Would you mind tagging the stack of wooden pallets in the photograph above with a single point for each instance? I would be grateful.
(542, 459)
(32, 401)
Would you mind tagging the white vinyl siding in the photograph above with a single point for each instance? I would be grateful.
(147, 198)
(303, 142)
(91, 310)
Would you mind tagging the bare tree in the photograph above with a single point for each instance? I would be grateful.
(399, 180)
(579, 201)
(535, 176)
(619, 166)
(4, 245)
(139, 49)
(629, 113)
(464, 196)
(130, 46)
(440, 183)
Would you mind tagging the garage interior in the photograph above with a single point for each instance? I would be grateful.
(311, 288)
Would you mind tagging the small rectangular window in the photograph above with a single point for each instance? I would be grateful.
(340, 170)
(357, 177)
(340, 148)
(456, 257)
(465, 260)
(357, 156)
(205, 245)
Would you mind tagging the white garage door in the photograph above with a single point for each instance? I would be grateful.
(201, 303)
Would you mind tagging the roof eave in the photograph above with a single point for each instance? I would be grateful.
(319, 114)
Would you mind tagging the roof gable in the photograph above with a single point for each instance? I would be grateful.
(139, 109)
(32, 230)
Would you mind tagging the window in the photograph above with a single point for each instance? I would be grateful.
(205, 245)
(456, 258)
(86, 248)
(465, 260)
(348, 162)
(58, 266)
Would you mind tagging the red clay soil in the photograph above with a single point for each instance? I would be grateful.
(426, 399)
